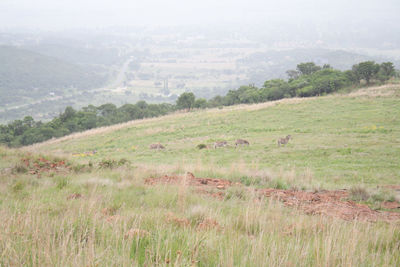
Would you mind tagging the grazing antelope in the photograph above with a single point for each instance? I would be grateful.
(284, 141)
(220, 144)
(241, 142)
(157, 146)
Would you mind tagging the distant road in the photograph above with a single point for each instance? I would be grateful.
(121, 74)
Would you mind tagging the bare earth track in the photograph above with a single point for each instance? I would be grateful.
(331, 203)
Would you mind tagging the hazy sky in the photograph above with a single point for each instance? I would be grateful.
(62, 14)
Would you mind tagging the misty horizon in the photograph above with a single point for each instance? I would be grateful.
(90, 14)
(59, 53)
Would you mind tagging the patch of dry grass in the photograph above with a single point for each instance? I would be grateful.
(115, 220)
(171, 225)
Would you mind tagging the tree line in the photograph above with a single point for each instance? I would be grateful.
(308, 79)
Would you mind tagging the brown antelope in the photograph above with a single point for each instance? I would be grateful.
(241, 142)
(284, 141)
(157, 146)
(220, 144)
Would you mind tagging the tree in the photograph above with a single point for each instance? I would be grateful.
(231, 98)
(29, 121)
(352, 77)
(107, 109)
(185, 101)
(293, 74)
(68, 114)
(274, 83)
(366, 70)
(216, 101)
(327, 81)
(307, 68)
(248, 94)
(131, 111)
(200, 103)
(327, 66)
(87, 120)
(275, 89)
(386, 71)
(142, 104)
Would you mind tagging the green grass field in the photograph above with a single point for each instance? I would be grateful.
(341, 141)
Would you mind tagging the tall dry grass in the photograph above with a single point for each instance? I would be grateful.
(123, 222)
(249, 232)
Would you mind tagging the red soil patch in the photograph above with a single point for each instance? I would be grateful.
(219, 195)
(190, 179)
(37, 166)
(393, 186)
(331, 203)
(390, 205)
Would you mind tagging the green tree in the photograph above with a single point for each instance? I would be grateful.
(386, 71)
(68, 114)
(366, 70)
(29, 121)
(216, 101)
(248, 94)
(352, 77)
(107, 109)
(327, 66)
(327, 81)
(185, 101)
(87, 120)
(200, 103)
(307, 68)
(275, 89)
(132, 112)
(293, 74)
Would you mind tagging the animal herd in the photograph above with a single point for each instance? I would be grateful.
(238, 142)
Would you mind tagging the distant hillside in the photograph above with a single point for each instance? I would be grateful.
(274, 64)
(26, 74)
(78, 54)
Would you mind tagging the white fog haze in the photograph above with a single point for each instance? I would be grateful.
(47, 14)
(62, 53)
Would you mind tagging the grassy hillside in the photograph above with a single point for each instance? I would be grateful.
(72, 207)
(32, 75)
(338, 140)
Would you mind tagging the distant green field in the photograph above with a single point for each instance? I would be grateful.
(338, 141)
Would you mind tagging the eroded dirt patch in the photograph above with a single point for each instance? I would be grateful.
(330, 203)
(390, 205)
(393, 186)
(190, 179)
(39, 165)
